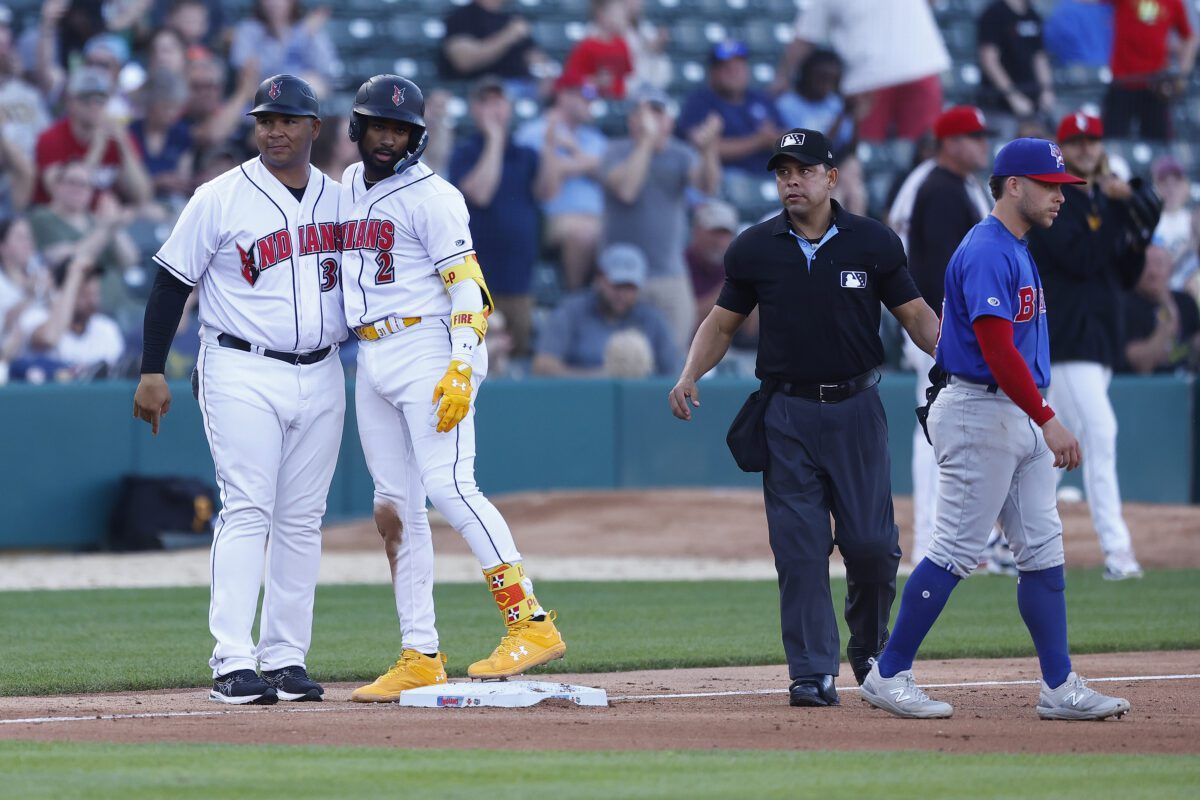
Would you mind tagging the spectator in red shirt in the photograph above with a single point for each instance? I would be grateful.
(603, 58)
(87, 134)
(1143, 84)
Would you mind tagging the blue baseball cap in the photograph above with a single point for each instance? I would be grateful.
(728, 50)
(1037, 159)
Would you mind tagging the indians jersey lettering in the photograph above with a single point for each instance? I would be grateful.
(395, 236)
(267, 266)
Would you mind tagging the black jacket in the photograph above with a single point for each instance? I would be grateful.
(1084, 271)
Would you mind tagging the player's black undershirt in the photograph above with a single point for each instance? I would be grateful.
(164, 309)
(297, 193)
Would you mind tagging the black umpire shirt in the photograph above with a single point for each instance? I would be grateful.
(818, 323)
(1084, 260)
(942, 215)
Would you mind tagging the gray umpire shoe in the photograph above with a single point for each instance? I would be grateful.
(1074, 700)
(900, 695)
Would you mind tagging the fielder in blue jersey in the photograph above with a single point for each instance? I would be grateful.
(997, 443)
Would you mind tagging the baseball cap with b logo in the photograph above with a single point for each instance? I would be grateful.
(807, 146)
(1037, 159)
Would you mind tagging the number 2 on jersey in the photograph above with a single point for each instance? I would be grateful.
(385, 273)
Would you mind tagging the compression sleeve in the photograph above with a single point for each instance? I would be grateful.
(995, 336)
(466, 298)
(164, 309)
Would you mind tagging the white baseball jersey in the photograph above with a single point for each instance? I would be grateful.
(268, 266)
(396, 235)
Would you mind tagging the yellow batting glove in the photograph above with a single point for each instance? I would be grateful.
(454, 390)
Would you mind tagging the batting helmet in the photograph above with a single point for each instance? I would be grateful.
(392, 97)
(286, 94)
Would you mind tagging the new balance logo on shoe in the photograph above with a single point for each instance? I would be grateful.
(901, 695)
(1072, 698)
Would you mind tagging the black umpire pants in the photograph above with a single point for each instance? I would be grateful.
(830, 458)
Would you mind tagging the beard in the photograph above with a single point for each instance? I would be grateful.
(374, 167)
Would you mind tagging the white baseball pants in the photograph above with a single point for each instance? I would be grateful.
(1079, 395)
(274, 430)
(409, 461)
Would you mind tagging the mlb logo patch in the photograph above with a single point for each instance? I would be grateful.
(854, 280)
(792, 139)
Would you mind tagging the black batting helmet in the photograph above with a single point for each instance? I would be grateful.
(286, 94)
(392, 97)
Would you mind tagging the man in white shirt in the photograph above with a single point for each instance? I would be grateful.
(894, 55)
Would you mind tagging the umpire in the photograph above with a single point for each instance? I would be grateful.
(816, 428)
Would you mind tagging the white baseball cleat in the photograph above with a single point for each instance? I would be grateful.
(901, 696)
(1121, 566)
(1074, 700)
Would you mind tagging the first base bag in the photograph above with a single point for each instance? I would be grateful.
(156, 513)
(747, 437)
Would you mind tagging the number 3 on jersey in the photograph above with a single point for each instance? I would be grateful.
(385, 273)
(329, 275)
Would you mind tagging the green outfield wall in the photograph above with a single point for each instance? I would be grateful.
(64, 448)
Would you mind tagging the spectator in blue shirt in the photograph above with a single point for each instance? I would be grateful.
(1079, 32)
(574, 211)
(164, 136)
(751, 121)
(503, 183)
(817, 100)
(607, 330)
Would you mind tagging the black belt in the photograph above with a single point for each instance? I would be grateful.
(825, 392)
(233, 342)
(991, 387)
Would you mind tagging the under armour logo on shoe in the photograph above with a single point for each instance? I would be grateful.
(521, 650)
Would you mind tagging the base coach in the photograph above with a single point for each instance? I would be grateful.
(816, 428)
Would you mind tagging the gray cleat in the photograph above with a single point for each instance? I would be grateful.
(900, 695)
(1074, 700)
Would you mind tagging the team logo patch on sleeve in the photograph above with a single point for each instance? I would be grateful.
(854, 280)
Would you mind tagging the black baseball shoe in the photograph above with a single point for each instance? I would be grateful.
(860, 657)
(242, 687)
(813, 690)
(293, 683)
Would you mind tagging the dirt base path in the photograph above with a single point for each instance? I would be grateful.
(731, 524)
(988, 718)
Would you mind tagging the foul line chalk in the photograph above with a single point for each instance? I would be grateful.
(344, 707)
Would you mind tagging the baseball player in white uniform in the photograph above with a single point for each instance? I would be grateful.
(416, 298)
(261, 243)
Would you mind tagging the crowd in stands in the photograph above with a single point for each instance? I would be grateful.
(608, 150)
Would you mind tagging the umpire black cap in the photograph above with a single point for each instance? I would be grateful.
(807, 146)
(286, 94)
(390, 97)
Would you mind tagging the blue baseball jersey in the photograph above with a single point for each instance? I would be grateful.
(992, 274)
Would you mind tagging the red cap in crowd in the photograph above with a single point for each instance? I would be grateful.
(1080, 125)
(960, 121)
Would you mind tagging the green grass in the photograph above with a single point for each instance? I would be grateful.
(76, 770)
(112, 640)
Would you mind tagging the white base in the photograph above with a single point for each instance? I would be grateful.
(502, 694)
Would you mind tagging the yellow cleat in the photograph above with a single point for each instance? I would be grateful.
(526, 645)
(411, 670)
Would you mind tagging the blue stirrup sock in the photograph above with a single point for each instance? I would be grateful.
(925, 595)
(1041, 596)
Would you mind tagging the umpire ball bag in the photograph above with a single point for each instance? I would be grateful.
(747, 437)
